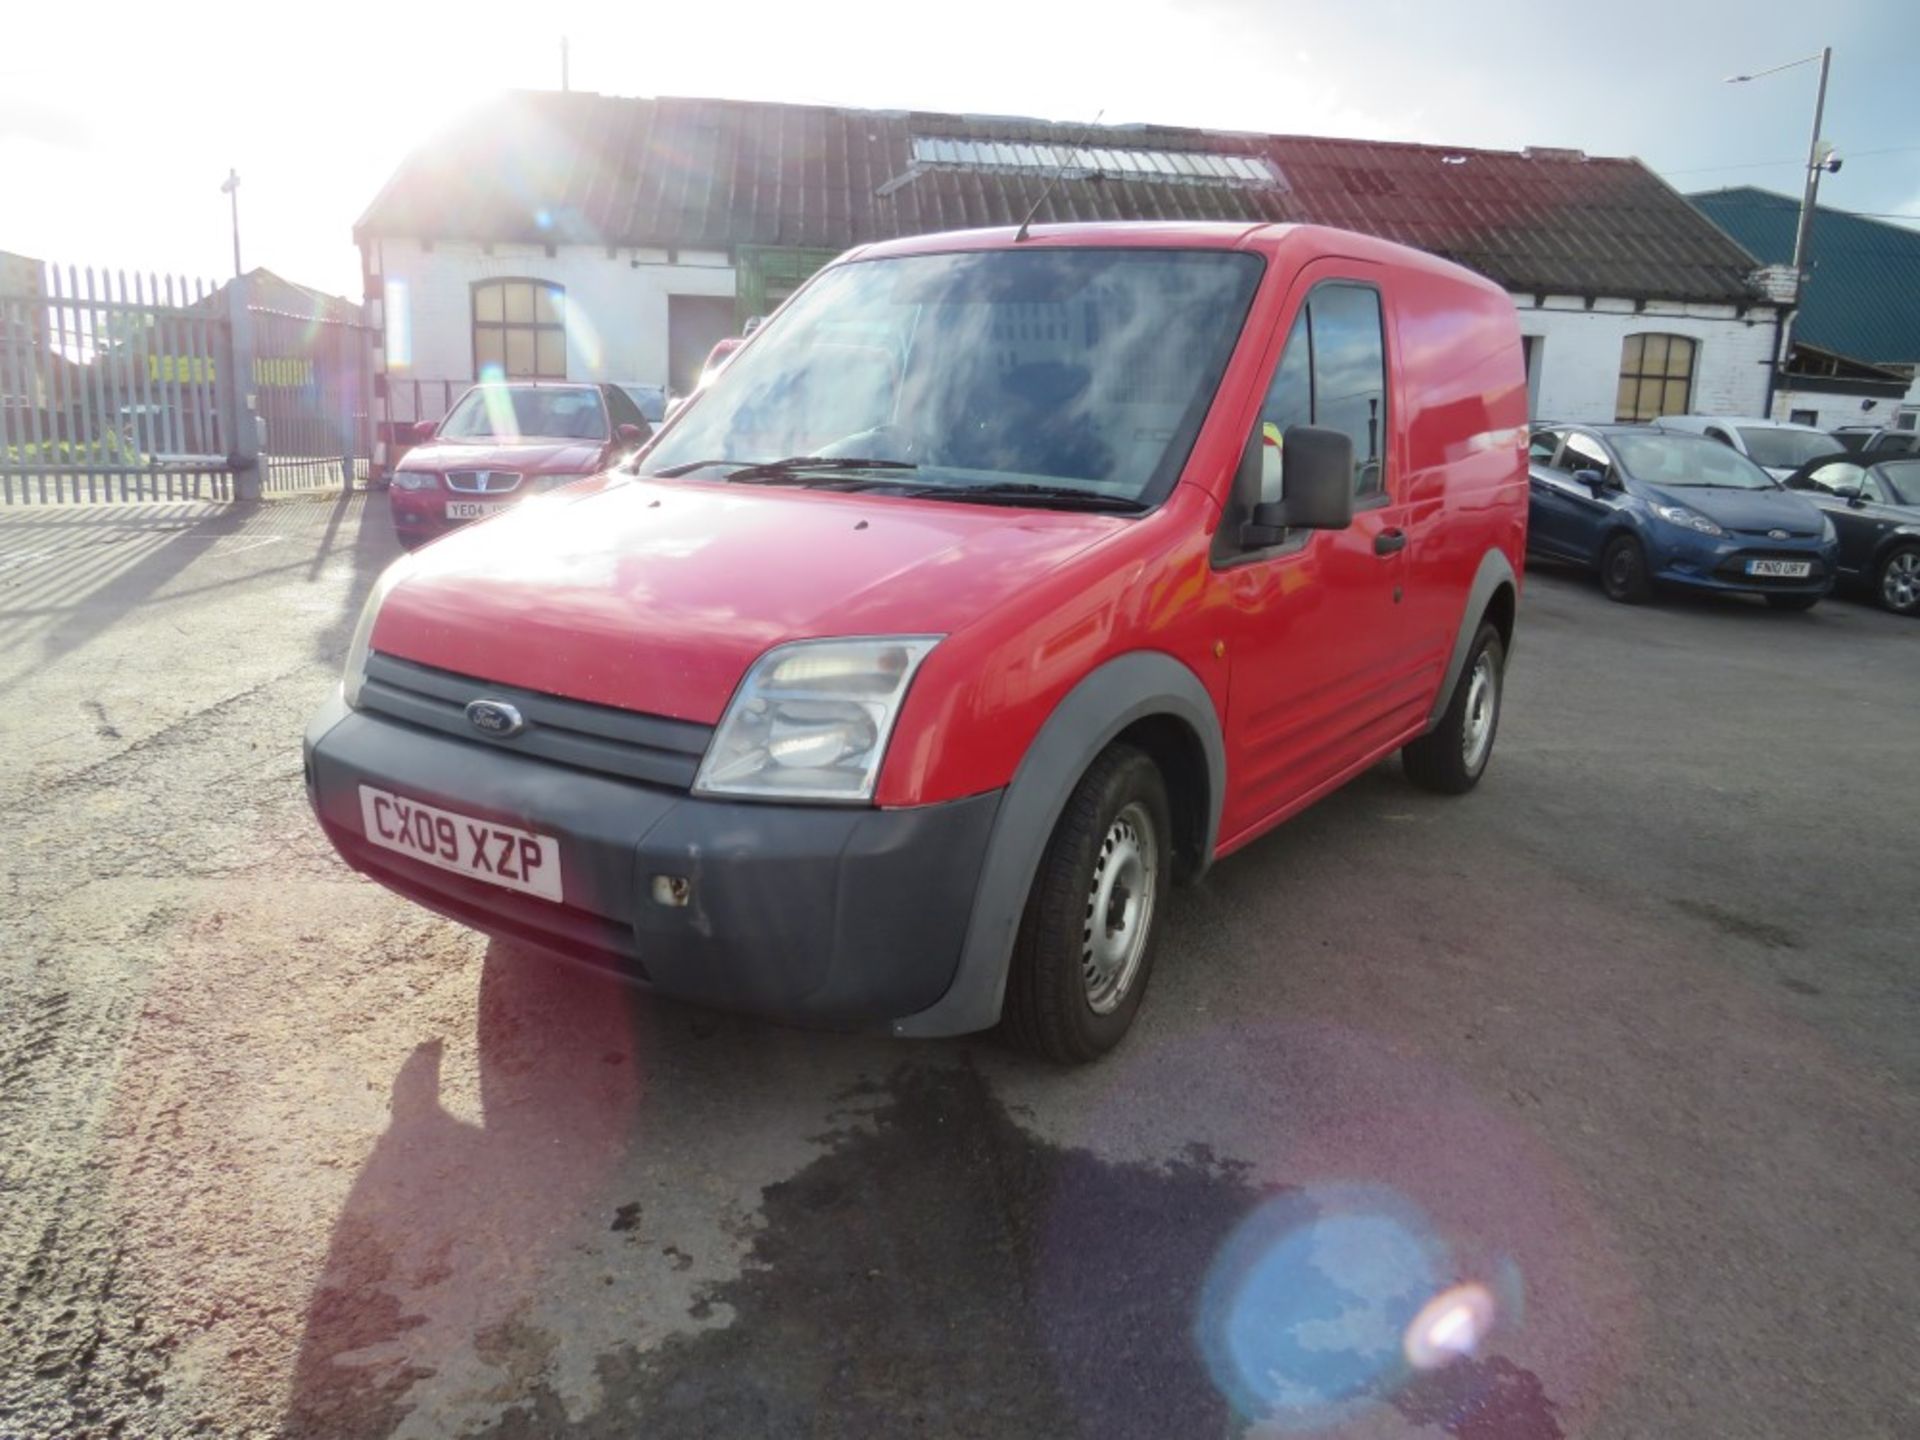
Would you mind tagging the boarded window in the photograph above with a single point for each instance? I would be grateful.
(519, 330)
(1656, 376)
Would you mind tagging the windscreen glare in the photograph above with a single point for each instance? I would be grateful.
(1084, 368)
(514, 412)
(1680, 461)
(1785, 449)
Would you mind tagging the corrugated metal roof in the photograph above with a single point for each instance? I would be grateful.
(581, 168)
(1863, 294)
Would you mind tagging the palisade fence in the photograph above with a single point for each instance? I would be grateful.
(120, 389)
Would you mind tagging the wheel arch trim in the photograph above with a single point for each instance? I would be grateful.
(1129, 688)
(1494, 572)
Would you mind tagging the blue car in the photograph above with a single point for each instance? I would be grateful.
(1647, 507)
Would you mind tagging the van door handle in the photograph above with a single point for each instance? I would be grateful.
(1389, 542)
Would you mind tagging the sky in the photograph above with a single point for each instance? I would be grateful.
(118, 122)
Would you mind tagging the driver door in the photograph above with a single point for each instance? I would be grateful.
(1324, 669)
(1582, 512)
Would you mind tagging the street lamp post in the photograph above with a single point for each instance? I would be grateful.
(230, 187)
(1809, 201)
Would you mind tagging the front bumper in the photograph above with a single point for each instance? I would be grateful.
(1710, 563)
(422, 514)
(814, 914)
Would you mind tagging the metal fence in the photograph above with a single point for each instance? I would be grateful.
(160, 388)
(405, 401)
(112, 389)
(312, 389)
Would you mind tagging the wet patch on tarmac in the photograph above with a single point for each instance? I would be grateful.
(940, 1271)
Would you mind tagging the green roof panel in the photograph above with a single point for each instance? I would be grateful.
(1863, 294)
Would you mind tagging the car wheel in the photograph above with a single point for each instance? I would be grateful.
(1897, 586)
(1085, 947)
(1451, 757)
(1793, 602)
(1623, 571)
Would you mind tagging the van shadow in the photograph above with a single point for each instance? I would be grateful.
(908, 1256)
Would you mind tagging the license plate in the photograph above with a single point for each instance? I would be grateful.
(1782, 569)
(474, 509)
(480, 849)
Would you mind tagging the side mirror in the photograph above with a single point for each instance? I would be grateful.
(1319, 487)
(1595, 480)
(633, 436)
(423, 431)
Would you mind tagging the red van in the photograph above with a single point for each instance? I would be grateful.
(999, 583)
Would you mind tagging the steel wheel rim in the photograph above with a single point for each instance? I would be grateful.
(1119, 915)
(1900, 585)
(1483, 704)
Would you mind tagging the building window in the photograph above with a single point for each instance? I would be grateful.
(1656, 376)
(519, 330)
(1804, 417)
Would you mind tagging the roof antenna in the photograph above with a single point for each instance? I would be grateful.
(1053, 180)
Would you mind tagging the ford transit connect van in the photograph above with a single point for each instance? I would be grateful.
(1000, 583)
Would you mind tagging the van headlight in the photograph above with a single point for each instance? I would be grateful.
(811, 720)
(355, 676)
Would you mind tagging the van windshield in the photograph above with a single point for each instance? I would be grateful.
(1072, 369)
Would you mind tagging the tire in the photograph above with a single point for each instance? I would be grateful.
(1623, 571)
(1896, 580)
(1451, 757)
(1792, 602)
(1072, 991)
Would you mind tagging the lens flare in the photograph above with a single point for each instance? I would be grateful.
(399, 325)
(1304, 1312)
(1449, 1326)
(584, 348)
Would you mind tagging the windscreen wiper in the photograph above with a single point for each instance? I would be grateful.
(794, 470)
(1018, 492)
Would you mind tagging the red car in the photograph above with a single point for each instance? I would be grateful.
(503, 441)
(997, 585)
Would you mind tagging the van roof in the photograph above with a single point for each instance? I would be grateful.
(1178, 235)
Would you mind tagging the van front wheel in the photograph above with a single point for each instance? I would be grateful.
(1085, 948)
(1453, 755)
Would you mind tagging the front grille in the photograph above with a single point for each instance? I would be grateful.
(483, 482)
(600, 738)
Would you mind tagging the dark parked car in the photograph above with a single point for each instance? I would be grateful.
(1880, 441)
(1648, 507)
(1876, 509)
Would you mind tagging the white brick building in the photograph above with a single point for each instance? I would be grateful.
(650, 228)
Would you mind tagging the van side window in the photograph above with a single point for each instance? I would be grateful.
(1350, 376)
(1289, 402)
(1332, 373)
